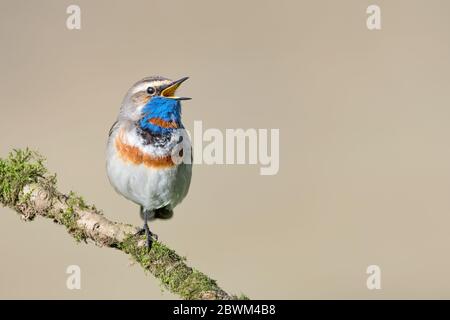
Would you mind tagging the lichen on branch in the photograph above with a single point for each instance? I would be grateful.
(27, 187)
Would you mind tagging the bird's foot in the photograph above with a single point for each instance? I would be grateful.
(150, 236)
(140, 232)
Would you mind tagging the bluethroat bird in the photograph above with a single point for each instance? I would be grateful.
(141, 144)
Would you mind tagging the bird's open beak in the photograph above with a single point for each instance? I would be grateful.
(169, 90)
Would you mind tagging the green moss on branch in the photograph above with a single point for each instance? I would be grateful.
(171, 269)
(20, 168)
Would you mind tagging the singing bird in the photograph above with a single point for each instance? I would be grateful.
(141, 146)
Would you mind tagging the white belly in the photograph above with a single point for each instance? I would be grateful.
(151, 188)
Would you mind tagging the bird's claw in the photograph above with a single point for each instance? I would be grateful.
(139, 232)
(150, 236)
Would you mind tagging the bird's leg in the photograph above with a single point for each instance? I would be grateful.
(148, 234)
(147, 230)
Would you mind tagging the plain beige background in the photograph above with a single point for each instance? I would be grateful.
(364, 126)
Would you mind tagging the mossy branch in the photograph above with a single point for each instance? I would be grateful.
(27, 187)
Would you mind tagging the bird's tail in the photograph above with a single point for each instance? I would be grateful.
(160, 213)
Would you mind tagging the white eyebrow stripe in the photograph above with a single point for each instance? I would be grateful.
(143, 86)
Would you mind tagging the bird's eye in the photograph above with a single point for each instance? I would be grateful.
(151, 91)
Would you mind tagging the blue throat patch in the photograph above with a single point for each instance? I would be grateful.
(159, 111)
